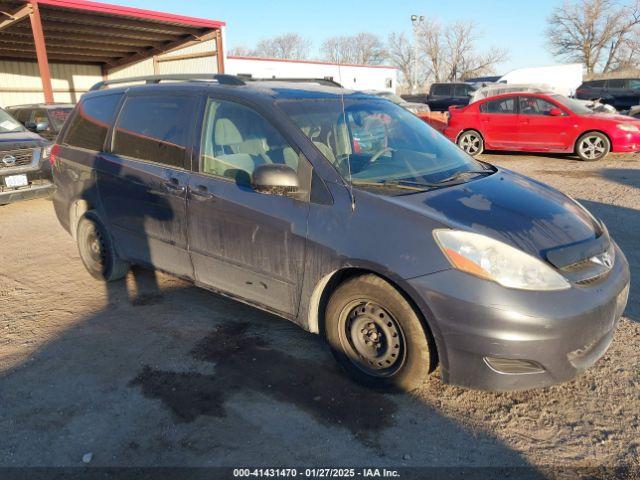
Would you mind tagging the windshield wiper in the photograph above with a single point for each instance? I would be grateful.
(399, 184)
(463, 173)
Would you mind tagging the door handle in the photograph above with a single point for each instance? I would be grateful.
(173, 185)
(202, 191)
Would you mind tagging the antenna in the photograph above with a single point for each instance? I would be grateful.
(344, 119)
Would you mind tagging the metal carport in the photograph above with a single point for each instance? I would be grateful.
(83, 32)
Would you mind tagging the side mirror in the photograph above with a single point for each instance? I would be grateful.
(31, 126)
(42, 127)
(275, 179)
(555, 112)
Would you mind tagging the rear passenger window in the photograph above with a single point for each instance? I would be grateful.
(90, 124)
(155, 128)
(237, 139)
(461, 90)
(442, 89)
(508, 105)
(616, 84)
(595, 84)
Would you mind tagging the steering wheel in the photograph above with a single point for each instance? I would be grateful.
(379, 153)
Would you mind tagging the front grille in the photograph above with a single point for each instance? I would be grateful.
(23, 157)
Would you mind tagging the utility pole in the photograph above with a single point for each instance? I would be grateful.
(416, 20)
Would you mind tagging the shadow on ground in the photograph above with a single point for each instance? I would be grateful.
(185, 377)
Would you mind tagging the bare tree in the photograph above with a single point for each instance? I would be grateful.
(430, 41)
(401, 54)
(290, 46)
(363, 48)
(598, 33)
(450, 52)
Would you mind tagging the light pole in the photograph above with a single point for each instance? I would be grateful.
(416, 20)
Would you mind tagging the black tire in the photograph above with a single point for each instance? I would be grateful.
(96, 249)
(471, 142)
(376, 335)
(593, 146)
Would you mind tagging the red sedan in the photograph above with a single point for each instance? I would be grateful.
(540, 122)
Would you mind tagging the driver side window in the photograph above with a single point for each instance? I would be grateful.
(237, 139)
(535, 106)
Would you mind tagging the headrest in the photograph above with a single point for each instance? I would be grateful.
(227, 133)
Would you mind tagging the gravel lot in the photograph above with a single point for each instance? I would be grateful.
(154, 371)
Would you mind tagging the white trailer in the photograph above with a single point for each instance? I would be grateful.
(562, 79)
(356, 77)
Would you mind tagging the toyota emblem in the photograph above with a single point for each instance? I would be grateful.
(9, 160)
(603, 259)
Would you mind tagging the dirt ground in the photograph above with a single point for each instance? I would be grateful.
(154, 371)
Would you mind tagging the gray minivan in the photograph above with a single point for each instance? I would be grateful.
(347, 215)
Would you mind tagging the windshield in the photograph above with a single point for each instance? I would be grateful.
(574, 105)
(58, 116)
(375, 141)
(8, 123)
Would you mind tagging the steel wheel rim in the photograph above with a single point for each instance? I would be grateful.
(372, 338)
(592, 147)
(470, 143)
(95, 247)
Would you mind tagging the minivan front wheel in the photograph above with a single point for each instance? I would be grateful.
(376, 335)
(593, 146)
(471, 142)
(96, 250)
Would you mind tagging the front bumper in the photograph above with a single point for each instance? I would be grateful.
(625, 142)
(562, 332)
(36, 189)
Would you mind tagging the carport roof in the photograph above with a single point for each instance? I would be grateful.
(78, 31)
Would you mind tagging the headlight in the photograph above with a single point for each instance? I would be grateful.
(46, 151)
(490, 259)
(627, 127)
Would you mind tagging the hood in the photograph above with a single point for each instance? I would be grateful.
(615, 118)
(21, 137)
(511, 208)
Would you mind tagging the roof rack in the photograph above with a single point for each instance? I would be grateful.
(326, 81)
(222, 79)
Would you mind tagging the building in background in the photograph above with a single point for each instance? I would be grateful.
(55, 50)
(356, 77)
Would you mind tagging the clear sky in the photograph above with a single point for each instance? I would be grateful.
(517, 25)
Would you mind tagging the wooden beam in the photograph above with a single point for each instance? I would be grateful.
(66, 16)
(159, 50)
(73, 38)
(41, 51)
(219, 51)
(11, 42)
(64, 29)
(80, 54)
(54, 58)
(14, 17)
(185, 56)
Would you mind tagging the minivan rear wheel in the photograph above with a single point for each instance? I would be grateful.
(96, 250)
(376, 335)
(593, 146)
(471, 142)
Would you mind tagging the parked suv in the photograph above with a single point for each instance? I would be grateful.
(45, 119)
(622, 93)
(24, 162)
(444, 95)
(403, 254)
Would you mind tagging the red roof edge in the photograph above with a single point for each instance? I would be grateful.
(140, 13)
(313, 62)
